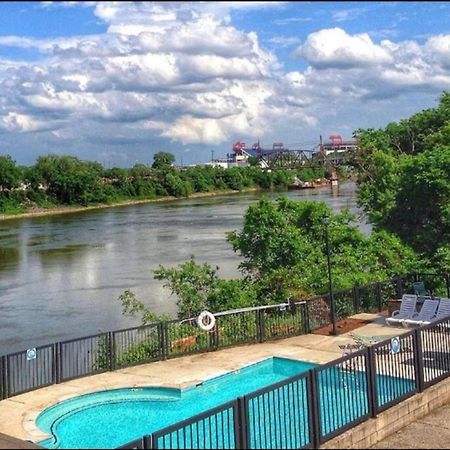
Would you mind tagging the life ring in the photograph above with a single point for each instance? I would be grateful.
(206, 321)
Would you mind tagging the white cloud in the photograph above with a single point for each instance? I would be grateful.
(343, 15)
(290, 20)
(284, 41)
(180, 72)
(23, 123)
(333, 47)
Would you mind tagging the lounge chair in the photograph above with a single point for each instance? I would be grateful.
(425, 315)
(442, 312)
(407, 309)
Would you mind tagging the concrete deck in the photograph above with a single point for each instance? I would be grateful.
(18, 414)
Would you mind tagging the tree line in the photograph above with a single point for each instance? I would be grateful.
(66, 180)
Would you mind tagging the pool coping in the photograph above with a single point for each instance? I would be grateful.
(37, 435)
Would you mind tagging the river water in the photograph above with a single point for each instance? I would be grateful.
(60, 276)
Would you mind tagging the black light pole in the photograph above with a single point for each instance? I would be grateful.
(333, 332)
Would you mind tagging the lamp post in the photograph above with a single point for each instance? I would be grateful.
(333, 332)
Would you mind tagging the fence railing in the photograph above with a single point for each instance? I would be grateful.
(309, 409)
(54, 363)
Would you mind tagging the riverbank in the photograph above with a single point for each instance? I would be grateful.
(39, 212)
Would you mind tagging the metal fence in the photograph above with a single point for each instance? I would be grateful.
(342, 395)
(396, 374)
(301, 412)
(90, 355)
(279, 416)
(55, 363)
(218, 428)
(307, 410)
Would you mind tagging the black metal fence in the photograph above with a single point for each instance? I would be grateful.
(218, 428)
(55, 363)
(90, 355)
(307, 410)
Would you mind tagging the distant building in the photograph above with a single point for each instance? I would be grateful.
(337, 144)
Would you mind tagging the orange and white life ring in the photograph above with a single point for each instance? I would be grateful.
(206, 321)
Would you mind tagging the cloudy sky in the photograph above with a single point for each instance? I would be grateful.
(117, 82)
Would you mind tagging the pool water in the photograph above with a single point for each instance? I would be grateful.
(112, 418)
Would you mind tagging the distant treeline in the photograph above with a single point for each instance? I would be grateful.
(57, 180)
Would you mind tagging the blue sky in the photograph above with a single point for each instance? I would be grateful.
(119, 81)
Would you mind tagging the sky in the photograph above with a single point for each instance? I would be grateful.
(117, 82)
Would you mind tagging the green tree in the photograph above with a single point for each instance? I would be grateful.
(191, 283)
(282, 244)
(403, 178)
(162, 160)
(9, 173)
(70, 180)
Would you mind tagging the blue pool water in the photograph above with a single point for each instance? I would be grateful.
(112, 418)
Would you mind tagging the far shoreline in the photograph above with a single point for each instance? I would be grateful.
(59, 210)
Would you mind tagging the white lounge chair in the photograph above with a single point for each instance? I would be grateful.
(426, 314)
(407, 309)
(442, 312)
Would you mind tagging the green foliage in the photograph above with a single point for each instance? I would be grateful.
(147, 350)
(56, 180)
(163, 160)
(284, 254)
(403, 177)
(9, 173)
(191, 282)
(131, 306)
(69, 180)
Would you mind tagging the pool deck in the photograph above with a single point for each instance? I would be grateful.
(18, 414)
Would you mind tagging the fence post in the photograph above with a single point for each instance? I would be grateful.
(56, 366)
(112, 350)
(371, 367)
(240, 423)
(163, 340)
(4, 392)
(214, 337)
(147, 442)
(418, 360)
(355, 299)
(314, 408)
(59, 362)
(379, 297)
(399, 287)
(260, 333)
(306, 312)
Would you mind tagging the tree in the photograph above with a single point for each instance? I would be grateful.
(403, 179)
(191, 282)
(163, 160)
(282, 244)
(70, 180)
(9, 173)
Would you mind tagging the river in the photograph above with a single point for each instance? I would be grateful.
(61, 275)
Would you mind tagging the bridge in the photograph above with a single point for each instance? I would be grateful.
(330, 154)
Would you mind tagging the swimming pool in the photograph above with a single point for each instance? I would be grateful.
(112, 418)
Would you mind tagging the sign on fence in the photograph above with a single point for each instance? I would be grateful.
(31, 354)
(395, 345)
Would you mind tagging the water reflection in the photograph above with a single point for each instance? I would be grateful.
(60, 276)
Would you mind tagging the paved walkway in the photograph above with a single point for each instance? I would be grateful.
(18, 414)
(432, 431)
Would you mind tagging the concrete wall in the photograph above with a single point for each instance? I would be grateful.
(393, 419)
